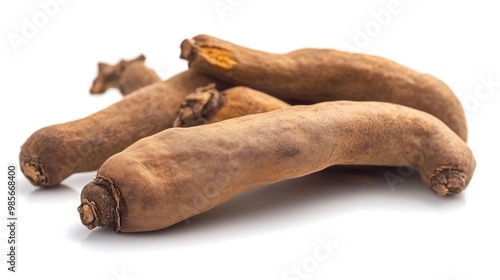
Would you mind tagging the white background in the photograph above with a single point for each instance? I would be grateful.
(404, 232)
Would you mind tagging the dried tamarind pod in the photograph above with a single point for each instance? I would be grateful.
(126, 76)
(53, 153)
(181, 172)
(317, 75)
(208, 105)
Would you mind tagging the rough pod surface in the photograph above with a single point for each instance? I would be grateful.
(53, 153)
(208, 105)
(181, 172)
(317, 75)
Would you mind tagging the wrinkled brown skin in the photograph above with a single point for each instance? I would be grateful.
(181, 172)
(317, 75)
(126, 76)
(208, 105)
(53, 153)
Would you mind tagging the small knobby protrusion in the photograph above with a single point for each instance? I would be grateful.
(199, 106)
(88, 214)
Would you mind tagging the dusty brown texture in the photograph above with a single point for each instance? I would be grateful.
(181, 172)
(55, 152)
(126, 76)
(208, 105)
(317, 75)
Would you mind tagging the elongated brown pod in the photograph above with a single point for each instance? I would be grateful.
(317, 75)
(181, 172)
(53, 153)
(126, 76)
(208, 105)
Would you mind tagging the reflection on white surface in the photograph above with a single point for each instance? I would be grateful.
(275, 226)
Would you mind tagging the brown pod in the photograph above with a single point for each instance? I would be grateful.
(181, 172)
(126, 76)
(317, 75)
(208, 105)
(53, 153)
